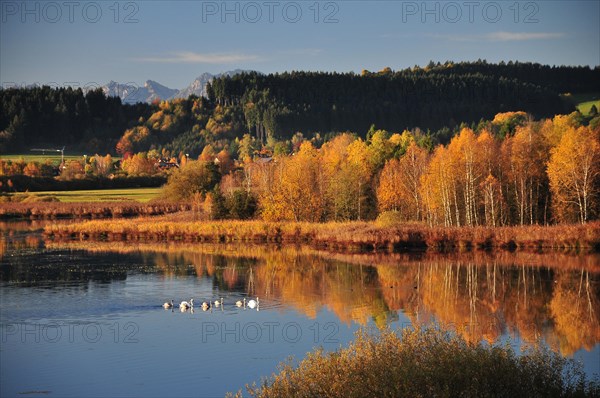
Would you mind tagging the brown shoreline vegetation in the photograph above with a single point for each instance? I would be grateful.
(339, 237)
(55, 210)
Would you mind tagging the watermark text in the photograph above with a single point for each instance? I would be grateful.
(55, 332)
(69, 11)
(470, 11)
(270, 11)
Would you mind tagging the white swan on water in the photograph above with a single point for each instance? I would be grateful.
(185, 305)
(240, 303)
(168, 305)
(253, 304)
(219, 302)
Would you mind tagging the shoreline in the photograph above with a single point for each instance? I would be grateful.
(353, 237)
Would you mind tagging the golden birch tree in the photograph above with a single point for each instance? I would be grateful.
(573, 170)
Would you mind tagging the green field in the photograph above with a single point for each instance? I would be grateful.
(41, 157)
(103, 195)
(584, 107)
(583, 102)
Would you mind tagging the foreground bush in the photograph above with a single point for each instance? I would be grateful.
(428, 363)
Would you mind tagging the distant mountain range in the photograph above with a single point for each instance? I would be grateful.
(131, 93)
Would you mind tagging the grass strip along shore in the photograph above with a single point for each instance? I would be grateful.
(342, 237)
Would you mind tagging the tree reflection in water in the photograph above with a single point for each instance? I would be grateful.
(484, 295)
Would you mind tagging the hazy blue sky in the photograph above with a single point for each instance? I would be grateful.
(81, 42)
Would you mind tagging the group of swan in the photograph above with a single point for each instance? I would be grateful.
(185, 305)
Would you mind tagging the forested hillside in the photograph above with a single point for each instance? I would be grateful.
(275, 107)
(63, 117)
(430, 98)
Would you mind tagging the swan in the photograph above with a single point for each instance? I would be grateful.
(185, 305)
(168, 305)
(253, 304)
(239, 303)
(218, 303)
(205, 305)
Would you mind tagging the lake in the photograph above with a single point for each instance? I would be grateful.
(85, 319)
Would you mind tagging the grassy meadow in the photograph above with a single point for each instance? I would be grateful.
(98, 203)
(142, 195)
(54, 157)
(583, 102)
(584, 107)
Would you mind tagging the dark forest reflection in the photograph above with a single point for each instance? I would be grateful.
(484, 295)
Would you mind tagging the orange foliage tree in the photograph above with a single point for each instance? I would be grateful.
(574, 169)
(399, 183)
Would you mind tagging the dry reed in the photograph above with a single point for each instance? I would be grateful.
(342, 237)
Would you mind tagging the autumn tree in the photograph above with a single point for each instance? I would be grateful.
(492, 200)
(299, 194)
(573, 170)
(139, 164)
(389, 194)
(467, 161)
(359, 171)
(527, 154)
(400, 181)
(223, 160)
(247, 146)
(438, 190)
(505, 123)
(492, 177)
(339, 175)
(103, 165)
(380, 149)
(32, 169)
(195, 177)
(553, 129)
(208, 154)
(72, 169)
(412, 166)
(265, 178)
(134, 139)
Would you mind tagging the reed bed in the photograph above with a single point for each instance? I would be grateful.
(54, 210)
(341, 237)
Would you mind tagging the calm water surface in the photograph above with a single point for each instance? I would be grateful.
(85, 319)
